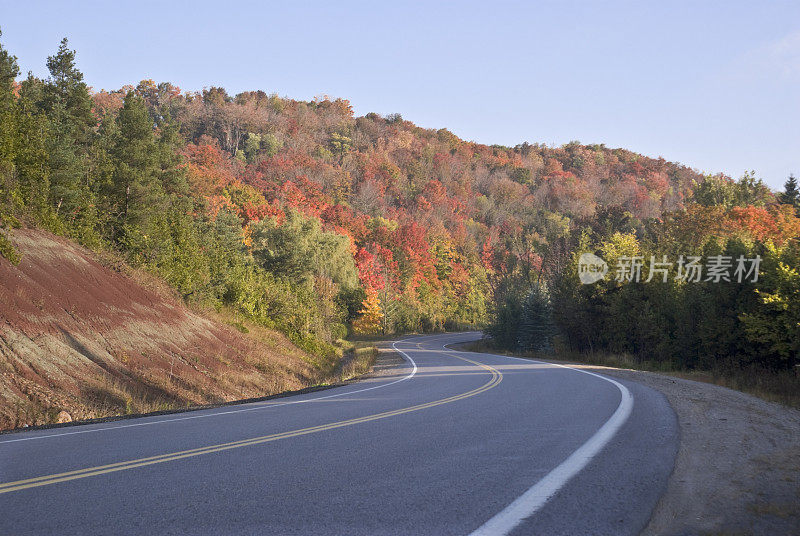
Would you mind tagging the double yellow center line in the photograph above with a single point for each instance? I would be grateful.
(46, 480)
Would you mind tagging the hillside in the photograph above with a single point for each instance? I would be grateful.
(229, 198)
(80, 337)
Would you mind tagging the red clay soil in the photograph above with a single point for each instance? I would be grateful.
(92, 341)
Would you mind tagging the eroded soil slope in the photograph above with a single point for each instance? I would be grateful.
(82, 338)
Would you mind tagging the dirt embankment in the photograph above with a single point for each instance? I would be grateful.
(81, 340)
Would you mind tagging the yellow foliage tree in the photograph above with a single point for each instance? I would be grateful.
(371, 315)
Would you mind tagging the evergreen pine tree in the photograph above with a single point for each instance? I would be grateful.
(139, 200)
(790, 194)
(65, 100)
(9, 193)
(536, 328)
(24, 185)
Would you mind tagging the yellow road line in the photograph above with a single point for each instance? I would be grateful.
(45, 480)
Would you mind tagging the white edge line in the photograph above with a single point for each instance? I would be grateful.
(214, 414)
(537, 495)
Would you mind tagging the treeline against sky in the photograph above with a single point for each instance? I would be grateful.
(302, 217)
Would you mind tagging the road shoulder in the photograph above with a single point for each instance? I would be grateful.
(738, 464)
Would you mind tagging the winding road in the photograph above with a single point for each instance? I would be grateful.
(442, 442)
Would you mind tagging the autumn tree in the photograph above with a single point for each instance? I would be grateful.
(370, 315)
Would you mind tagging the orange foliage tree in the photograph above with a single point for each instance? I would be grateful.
(370, 315)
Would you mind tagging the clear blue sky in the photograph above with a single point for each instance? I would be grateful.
(715, 85)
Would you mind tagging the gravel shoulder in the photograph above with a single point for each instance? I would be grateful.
(388, 360)
(738, 466)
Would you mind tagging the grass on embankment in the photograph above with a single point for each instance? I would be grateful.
(359, 358)
(782, 387)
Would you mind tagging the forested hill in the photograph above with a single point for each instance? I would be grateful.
(303, 217)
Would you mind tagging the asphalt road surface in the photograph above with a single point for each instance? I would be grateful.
(447, 442)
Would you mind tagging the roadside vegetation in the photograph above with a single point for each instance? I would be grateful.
(84, 336)
(742, 332)
(358, 360)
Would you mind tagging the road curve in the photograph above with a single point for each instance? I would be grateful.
(449, 442)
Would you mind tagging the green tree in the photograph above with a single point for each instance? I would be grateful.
(251, 146)
(10, 198)
(504, 328)
(536, 327)
(300, 249)
(24, 180)
(136, 191)
(790, 194)
(725, 192)
(776, 321)
(227, 255)
(340, 145)
(65, 100)
(176, 250)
